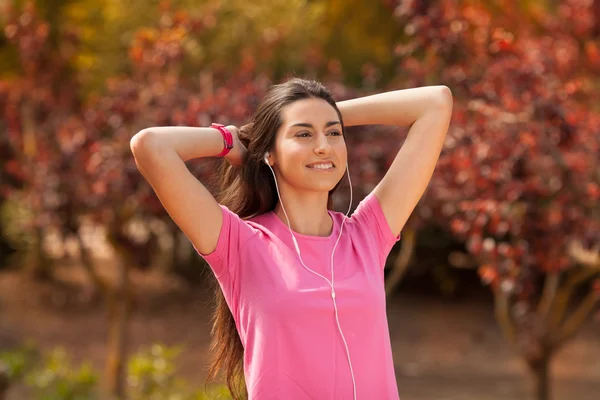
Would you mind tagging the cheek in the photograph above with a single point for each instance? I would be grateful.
(290, 162)
(342, 152)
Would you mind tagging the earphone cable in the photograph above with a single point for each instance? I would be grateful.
(316, 273)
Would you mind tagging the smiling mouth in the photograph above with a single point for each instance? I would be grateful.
(322, 167)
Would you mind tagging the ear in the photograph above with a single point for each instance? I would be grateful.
(267, 159)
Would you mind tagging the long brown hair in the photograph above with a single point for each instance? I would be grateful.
(248, 191)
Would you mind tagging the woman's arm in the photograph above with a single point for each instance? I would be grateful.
(192, 142)
(160, 153)
(428, 111)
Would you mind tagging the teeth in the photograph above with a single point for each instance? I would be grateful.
(322, 166)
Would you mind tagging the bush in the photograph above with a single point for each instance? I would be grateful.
(16, 364)
(56, 378)
(151, 375)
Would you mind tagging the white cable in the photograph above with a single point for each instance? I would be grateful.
(316, 273)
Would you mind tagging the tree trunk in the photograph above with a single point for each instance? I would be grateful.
(40, 264)
(184, 265)
(596, 11)
(119, 307)
(540, 371)
(402, 260)
(99, 286)
(4, 382)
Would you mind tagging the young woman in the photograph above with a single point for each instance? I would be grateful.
(300, 297)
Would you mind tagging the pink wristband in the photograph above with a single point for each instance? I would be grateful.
(227, 138)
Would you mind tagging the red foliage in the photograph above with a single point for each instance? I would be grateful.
(70, 159)
(518, 176)
(39, 111)
(518, 179)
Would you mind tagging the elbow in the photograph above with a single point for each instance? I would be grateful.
(141, 141)
(444, 97)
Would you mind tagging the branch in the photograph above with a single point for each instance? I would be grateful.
(402, 260)
(549, 294)
(502, 312)
(564, 295)
(572, 325)
(29, 133)
(88, 265)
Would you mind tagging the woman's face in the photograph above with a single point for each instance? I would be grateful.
(310, 152)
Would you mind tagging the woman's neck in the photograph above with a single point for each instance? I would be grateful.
(303, 214)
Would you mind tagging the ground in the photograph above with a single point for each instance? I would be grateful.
(443, 349)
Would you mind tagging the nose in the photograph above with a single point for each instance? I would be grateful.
(322, 145)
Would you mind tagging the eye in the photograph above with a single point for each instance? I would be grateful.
(335, 133)
(303, 134)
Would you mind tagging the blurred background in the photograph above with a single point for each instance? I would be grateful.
(493, 291)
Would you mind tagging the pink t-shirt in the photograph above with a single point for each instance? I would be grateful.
(284, 314)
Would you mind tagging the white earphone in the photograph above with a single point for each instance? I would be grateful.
(266, 160)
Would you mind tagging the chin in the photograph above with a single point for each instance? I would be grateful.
(322, 186)
(316, 184)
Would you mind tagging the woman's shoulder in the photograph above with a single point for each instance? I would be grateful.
(243, 228)
(260, 220)
(261, 224)
(368, 204)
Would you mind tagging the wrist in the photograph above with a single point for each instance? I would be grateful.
(227, 139)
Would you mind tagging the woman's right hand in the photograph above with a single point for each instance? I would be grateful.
(237, 154)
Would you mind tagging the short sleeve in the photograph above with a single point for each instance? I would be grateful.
(371, 224)
(234, 234)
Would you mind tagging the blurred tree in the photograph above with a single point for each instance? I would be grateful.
(275, 30)
(358, 35)
(519, 177)
(282, 35)
(73, 158)
(34, 105)
(157, 93)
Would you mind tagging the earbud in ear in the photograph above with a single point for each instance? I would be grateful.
(266, 159)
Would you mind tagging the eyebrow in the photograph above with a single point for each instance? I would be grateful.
(308, 125)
